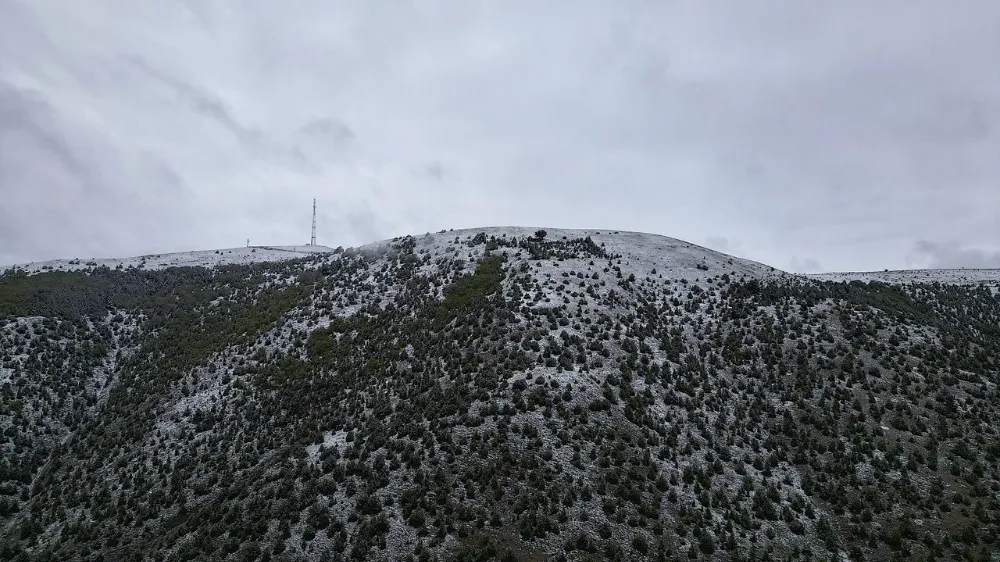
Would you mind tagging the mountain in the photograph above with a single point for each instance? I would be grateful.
(205, 258)
(495, 393)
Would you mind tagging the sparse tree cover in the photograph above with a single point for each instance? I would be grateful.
(488, 398)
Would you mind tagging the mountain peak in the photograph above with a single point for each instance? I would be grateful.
(509, 393)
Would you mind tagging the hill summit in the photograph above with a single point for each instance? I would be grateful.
(496, 393)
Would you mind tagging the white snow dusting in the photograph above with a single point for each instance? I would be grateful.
(989, 277)
(202, 258)
(640, 254)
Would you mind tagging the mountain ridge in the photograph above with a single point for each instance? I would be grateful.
(476, 394)
(266, 253)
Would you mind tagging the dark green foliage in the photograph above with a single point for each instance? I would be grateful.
(69, 294)
(80, 294)
(298, 411)
(472, 290)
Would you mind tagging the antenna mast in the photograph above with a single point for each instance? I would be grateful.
(312, 240)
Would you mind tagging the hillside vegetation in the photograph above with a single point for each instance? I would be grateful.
(496, 395)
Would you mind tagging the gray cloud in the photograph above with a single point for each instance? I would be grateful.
(55, 189)
(952, 255)
(323, 141)
(804, 265)
(200, 102)
(843, 131)
(435, 170)
(365, 224)
(26, 115)
(723, 244)
(331, 129)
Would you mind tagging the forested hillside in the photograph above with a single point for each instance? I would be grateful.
(496, 394)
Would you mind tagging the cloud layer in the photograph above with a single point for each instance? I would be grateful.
(952, 255)
(799, 134)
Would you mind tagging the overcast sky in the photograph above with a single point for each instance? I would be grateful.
(811, 135)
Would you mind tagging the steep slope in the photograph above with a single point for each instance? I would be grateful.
(496, 394)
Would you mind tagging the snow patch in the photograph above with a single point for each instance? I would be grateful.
(338, 440)
(202, 258)
(947, 276)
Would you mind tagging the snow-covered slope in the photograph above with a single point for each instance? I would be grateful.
(906, 276)
(415, 398)
(640, 253)
(204, 258)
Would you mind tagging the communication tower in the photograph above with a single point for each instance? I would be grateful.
(312, 240)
